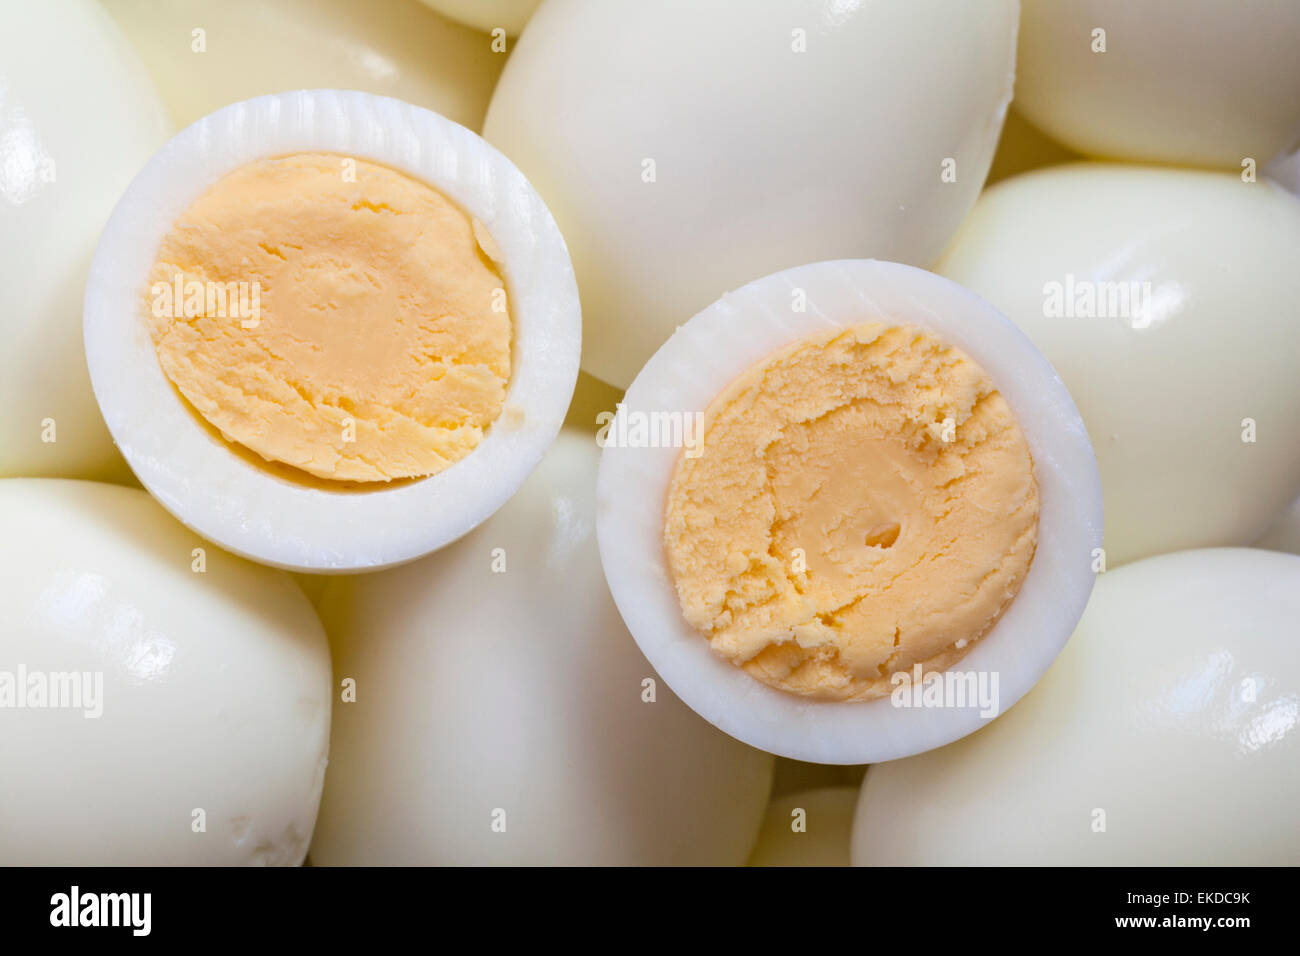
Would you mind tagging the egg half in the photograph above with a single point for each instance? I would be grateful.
(707, 354)
(212, 484)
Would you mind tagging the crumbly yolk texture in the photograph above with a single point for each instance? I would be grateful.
(863, 501)
(363, 334)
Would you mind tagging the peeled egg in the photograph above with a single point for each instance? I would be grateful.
(206, 55)
(687, 147)
(1169, 302)
(74, 129)
(1166, 734)
(809, 828)
(230, 495)
(1195, 82)
(707, 354)
(161, 702)
(502, 714)
(488, 15)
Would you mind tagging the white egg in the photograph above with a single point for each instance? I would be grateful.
(809, 828)
(488, 15)
(1167, 734)
(690, 146)
(78, 118)
(1284, 533)
(205, 55)
(219, 490)
(1169, 302)
(712, 350)
(193, 689)
(501, 711)
(1198, 82)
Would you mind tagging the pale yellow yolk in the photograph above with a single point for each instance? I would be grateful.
(334, 315)
(863, 501)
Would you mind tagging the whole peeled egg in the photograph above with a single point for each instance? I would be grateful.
(501, 713)
(206, 55)
(1194, 82)
(1169, 303)
(1166, 734)
(161, 702)
(687, 147)
(78, 117)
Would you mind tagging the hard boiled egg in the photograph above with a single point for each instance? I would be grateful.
(690, 146)
(841, 527)
(161, 702)
(1167, 734)
(238, 495)
(206, 55)
(501, 713)
(1169, 302)
(1197, 82)
(78, 117)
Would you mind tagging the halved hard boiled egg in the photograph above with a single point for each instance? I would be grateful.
(331, 331)
(849, 512)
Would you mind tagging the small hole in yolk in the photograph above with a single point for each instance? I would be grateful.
(882, 535)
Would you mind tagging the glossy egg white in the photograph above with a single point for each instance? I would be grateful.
(514, 698)
(78, 118)
(689, 146)
(214, 690)
(1166, 394)
(228, 495)
(708, 353)
(1167, 734)
(1190, 82)
(808, 828)
(251, 48)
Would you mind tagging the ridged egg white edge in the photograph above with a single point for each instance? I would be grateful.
(234, 503)
(720, 343)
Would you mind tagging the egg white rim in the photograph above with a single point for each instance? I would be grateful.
(201, 479)
(744, 327)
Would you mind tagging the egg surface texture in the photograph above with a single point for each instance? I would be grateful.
(205, 55)
(161, 702)
(74, 129)
(1166, 734)
(1194, 82)
(689, 146)
(503, 715)
(1169, 303)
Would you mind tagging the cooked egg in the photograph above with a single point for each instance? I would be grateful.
(78, 117)
(1197, 82)
(406, 309)
(205, 55)
(501, 713)
(1166, 734)
(488, 15)
(688, 147)
(1169, 302)
(161, 702)
(809, 828)
(793, 501)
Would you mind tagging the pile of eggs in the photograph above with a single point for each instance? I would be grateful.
(456, 672)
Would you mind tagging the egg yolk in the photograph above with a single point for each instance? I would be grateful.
(334, 315)
(863, 501)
